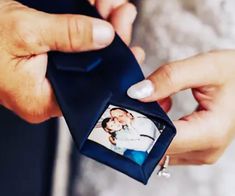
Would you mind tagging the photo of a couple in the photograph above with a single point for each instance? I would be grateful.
(126, 132)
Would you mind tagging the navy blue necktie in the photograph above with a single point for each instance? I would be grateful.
(86, 84)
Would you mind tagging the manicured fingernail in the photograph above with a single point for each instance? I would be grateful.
(103, 33)
(141, 90)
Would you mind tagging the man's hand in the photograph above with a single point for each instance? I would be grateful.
(26, 37)
(203, 135)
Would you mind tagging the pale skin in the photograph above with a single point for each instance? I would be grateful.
(123, 117)
(26, 37)
(202, 136)
(112, 126)
(119, 118)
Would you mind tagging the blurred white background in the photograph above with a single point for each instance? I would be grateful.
(170, 30)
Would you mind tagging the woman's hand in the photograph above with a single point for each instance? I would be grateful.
(120, 14)
(26, 37)
(203, 135)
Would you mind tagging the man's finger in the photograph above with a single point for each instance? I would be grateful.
(122, 19)
(74, 33)
(173, 77)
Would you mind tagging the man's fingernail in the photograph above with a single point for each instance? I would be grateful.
(141, 90)
(103, 33)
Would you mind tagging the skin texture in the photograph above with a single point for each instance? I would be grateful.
(203, 135)
(24, 44)
(123, 117)
(114, 125)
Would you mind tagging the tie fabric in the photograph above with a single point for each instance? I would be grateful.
(109, 73)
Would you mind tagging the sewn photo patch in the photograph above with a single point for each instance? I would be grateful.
(126, 132)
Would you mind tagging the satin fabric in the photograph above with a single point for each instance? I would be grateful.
(86, 83)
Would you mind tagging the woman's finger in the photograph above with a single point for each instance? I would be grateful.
(192, 158)
(165, 104)
(194, 133)
(105, 7)
(122, 19)
(205, 157)
(176, 76)
(139, 54)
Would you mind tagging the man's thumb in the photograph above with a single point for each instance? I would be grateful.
(74, 33)
(174, 77)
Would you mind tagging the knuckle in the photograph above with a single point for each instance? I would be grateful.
(219, 144)
(210, 160)
(213, 52)
(167, 72)
(9, 6)
(75, 32)
(35, 113)
(24, 34)
(211, 156)
(218, 141)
